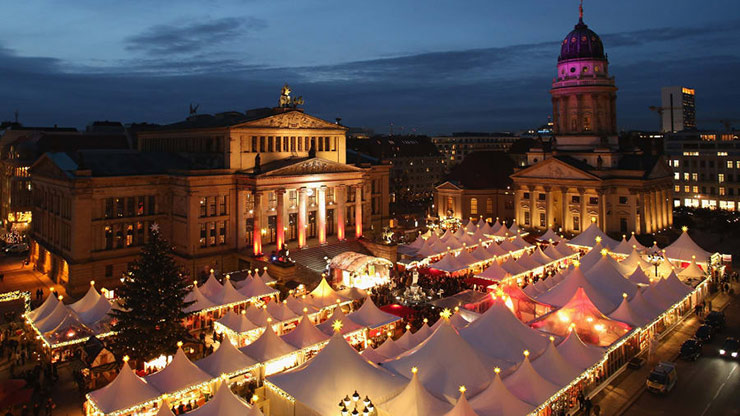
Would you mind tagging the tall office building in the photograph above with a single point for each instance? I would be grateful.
(678, 109)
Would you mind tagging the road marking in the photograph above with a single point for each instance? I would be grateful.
(718, 391)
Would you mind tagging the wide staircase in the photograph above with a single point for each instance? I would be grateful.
(311, 262)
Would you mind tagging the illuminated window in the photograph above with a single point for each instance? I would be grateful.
(737, 164)
(676, 176)
(543, 219)
(729, 164)
(686, 176)
(722, 191)
(694, 177)
(687, 188)
(696, 189)
(587, 123)
(489, 205)
(677, 188)
(473, 206)
(675, 163)
(721, 177)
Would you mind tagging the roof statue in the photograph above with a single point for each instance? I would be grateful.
(286, 101)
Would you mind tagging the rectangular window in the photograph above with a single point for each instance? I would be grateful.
(139, 233)
(622, 200)
(694, 177)
(542, 197)
(525, 195)
(729, 164)
(676, 176)
(675, 163)
(737, 164)
(203, 208)
(593, 200)
(119, 207)
(696, 189)
(109, 208)
(222, 233)
(575, 199)
(543, 219)
(576, 223)
(129, 235)
(686, 176)
(473, 206)
(211, 233)
(212, 207)
(526, 218)
(108, 238)
(140, 205)
(130, 210)
(203, 235)
(151, 206)
(677, 188)
(721, 177)
(489, 205)
(223, 201)
(722, 191)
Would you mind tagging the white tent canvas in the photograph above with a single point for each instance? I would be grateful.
(127, 390)
(497, 400)
(225, 360)
(178, 375)
(305, 334)
(369, 315)
(225, 403)
(686, 249)
(416, 400)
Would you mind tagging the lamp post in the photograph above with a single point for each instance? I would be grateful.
(352, 405)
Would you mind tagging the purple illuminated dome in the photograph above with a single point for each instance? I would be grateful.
(581, 43)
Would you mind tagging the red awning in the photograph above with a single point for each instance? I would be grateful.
(398, 310)
(479, 281)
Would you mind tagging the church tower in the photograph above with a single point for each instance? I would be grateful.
(583, 94)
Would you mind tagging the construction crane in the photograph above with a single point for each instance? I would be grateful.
(660, 111)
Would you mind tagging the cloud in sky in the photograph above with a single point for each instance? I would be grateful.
(486, 89)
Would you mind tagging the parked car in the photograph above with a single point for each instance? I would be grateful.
(19, 248)
(730, 348)
(704, 334)
(716, 319)
(636, 363)
(690, 350)
(662, 378)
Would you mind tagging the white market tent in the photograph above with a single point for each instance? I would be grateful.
(200, 301)
(443, 371)
(624, 246)
(324, 295)
(501, 336)
(553, 253)
(370, 316)
(466, 259)
(259, 316)
(480, 254)
(211, 287)
(550, 235)
(592, 257)
(226, 360)
(588, 238)
(415, 400)
(564, 291)
(554, 367)
(126, 391)
(266, 278)
(227, 294)
(528, 385)
(45, 309)
(92, 308)
(514, 268)
(254, 287)
(577, 353)
(225, 403)
(685, 249)
(407, 341)
(693, 271)
(494, 272)
(179, 374)
(495, 250)
(297, 305)
(528, 263)
(627, 314)
(305, 335)
(267, 347)
(348, 326)
(237, 322)
(498, 400)
(635, 260)
(639, 277)
(462, 407)
(514, 229)
(422, 333)
(449, 264)
(609, 281)
(280, 312)
(510, 247)
(636, 244)
(390, 349)
(335, 371)
(372, 356)
(642, 307)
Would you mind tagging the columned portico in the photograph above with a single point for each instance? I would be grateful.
(280, 218)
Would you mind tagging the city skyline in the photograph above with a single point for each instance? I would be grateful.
(432, 71)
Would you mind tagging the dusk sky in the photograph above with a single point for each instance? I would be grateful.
(427, 66)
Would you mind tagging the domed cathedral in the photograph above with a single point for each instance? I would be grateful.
(581, 176)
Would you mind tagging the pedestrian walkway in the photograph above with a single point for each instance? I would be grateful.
(17, 276)
(616, 398)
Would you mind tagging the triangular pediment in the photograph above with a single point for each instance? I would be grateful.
(311, 167)
(660, 170)
(554, 169)
(291, 120)
(54, 165)
(447, 185)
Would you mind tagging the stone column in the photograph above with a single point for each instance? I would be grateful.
(602, 209)
(564, 207)
(241, 219)
(322, 214)
(655, 210)
(280, 218)
(257, 232)
(670, 207)
(518, 215)
(666, 205)
(302, 216)
(648, 212)
(548, 207)
(532, 207)
(358, 211)
(341, 200)
(584, 209)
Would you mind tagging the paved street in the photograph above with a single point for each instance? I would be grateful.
(20, 277)
(706, 387)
